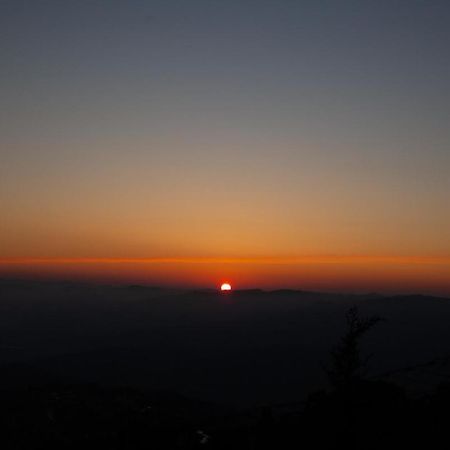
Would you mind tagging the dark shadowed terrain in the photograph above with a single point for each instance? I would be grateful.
(246, 348)
(133, 367)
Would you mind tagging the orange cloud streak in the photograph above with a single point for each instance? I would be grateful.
(349, 259)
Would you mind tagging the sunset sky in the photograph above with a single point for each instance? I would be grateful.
(266, 143)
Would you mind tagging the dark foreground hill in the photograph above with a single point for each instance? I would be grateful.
(246, 348)
(365, 415)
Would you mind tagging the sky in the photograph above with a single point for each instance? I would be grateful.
(270, 143)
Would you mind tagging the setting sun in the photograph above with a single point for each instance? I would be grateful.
(225, 287)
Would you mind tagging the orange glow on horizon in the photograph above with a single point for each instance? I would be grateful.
(357, 273)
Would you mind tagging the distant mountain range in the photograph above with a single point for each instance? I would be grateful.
(244, 347)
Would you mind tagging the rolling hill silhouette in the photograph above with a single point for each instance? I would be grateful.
(246, 347)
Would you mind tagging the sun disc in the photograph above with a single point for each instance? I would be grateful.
(225, 287)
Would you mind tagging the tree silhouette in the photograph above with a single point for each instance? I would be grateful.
(347, 364)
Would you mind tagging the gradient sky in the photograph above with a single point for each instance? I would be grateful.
(227, 130)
